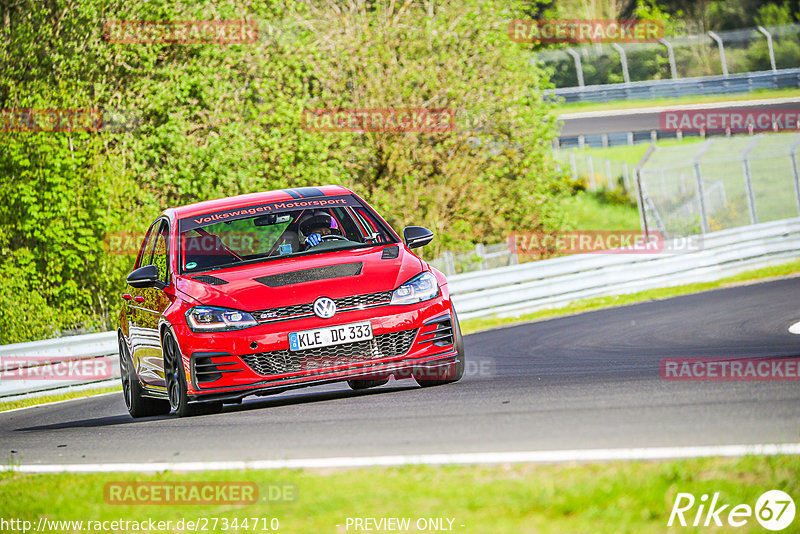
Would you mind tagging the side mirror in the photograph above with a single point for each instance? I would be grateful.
(146, 276)
(416, 236)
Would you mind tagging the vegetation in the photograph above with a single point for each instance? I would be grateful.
(214, 120)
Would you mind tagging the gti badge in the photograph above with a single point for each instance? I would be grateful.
(324, 308)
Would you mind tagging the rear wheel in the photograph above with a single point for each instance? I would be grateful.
(451, 373)
(175, 377)
(359, 384)
(138, 405)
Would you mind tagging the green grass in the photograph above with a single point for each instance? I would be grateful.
(657, 102)
(630, 154)
(44, 399)
(618, 497)
(470, 326)
(585, 211)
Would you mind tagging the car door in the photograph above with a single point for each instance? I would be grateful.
(150, 304)
(133, 296)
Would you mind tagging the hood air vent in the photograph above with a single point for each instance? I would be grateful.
(310, 275)
(390, 253)
(208, 279)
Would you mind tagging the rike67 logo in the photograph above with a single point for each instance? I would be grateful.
(774, 510)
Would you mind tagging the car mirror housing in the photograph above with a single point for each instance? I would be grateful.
(416, 236)
(146, 276)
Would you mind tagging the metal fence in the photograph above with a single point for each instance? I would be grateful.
(518, 289)
(595, 172)
(725, 53)
(482, 258)
(710, 85)
(720, 183)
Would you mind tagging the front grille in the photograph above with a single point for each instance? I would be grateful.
(307, 310)
(286, 361)
(363, 300)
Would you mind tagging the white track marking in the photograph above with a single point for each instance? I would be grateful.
(84, 397)
(795, 328)
(577, 455)
(677, 107)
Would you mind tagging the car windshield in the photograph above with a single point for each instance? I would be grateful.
(277, 230)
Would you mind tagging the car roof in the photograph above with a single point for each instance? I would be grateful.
(249, 199)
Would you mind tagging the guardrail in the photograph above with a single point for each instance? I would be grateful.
(716, 85)
(38, 360)
(516, 289)
(528, 287)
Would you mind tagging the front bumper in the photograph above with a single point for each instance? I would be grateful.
(231, 365)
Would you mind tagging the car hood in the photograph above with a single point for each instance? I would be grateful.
(302, 279)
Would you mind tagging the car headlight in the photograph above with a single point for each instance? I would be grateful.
(421, 287)
(213, 319)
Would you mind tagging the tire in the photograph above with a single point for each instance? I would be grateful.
(138, 405)
(455, 372)
(175, 377)
(359, 384)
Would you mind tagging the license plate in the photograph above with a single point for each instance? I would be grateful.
(330, 335)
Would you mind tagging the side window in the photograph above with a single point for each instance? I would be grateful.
(160, 253)
(146, 252)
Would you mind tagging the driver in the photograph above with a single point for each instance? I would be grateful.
(318, 226)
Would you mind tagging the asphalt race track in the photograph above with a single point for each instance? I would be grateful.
(579, 382)
(642, 120)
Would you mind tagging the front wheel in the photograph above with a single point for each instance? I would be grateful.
(138, 405)
(451, 373)
(176, 382)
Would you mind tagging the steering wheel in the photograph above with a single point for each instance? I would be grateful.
(331, 237)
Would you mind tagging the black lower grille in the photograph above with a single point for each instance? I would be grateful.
(438, 331)
(286, 361)
(207, 370)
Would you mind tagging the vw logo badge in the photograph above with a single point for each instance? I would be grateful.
(324, 308)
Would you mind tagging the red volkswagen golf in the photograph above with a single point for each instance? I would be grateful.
(260, 293)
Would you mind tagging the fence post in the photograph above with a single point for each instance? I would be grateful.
(573, 165)
(699, 184)
(578, 67)
(480, 251)
(793, 157)
(671, 54)
(609, 179)
(626, 178)
(449, 263)
(624, 60)
(763, 30)
(637, 175)
(590, 166)
(721, 52)
(748, 182)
